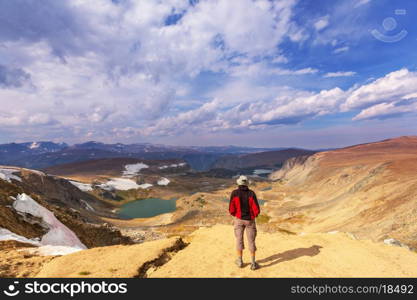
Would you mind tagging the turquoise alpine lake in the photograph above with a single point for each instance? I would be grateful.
(146, 208)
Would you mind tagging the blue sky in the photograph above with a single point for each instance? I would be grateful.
(323, 73)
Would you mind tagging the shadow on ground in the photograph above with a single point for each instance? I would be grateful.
(289, 255)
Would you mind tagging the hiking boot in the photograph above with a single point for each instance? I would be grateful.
(239, 262)
(254, 266)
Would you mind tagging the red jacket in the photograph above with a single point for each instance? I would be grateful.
(244, 204)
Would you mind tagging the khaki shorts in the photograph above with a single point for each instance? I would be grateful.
(239, 227)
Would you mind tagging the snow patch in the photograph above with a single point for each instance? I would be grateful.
(173, 166)
(178, 165)
(106, 187)
(87, 206)
(7, 235)
(261, 171)
(85, 187)
(58, 234)
(163, 181)
(34, 145)
(52, 250)
(7, 174)
(145, 186)
(134, 169)
(122, 184)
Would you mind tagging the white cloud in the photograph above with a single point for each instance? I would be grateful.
(384, 110)
(304, 71)
(321, 23)
(389, 88)
(340, 74)
(397, 107)
(204, 117)
(290, 106)
(299, 108)
(109, 65)
(361, 2)
(410, 96)
(341, 50)
(99, 69)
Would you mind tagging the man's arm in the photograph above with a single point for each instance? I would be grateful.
(232, 207)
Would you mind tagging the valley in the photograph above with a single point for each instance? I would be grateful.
(362, 196)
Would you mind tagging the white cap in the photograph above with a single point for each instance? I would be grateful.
(242, 180)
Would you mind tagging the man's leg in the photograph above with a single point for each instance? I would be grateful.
(253, 256)
(239, 228)
(251, 235)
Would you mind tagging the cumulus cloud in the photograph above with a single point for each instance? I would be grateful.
(132, 68)
(12, 77)
(389, 88)
(107, 64)
(291, 108)
(381, 98)
(204, 117)
(385, 110)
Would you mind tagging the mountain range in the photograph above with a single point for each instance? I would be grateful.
(40, 155)
(347, 212)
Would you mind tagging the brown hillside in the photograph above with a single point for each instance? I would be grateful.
(368, 189)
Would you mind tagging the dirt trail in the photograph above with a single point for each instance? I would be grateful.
(210, 253)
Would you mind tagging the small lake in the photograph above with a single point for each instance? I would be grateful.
(146, 208)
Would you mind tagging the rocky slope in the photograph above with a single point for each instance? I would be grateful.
(77, 210)
(368, 189)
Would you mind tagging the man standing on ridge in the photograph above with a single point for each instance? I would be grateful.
(245, 208)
